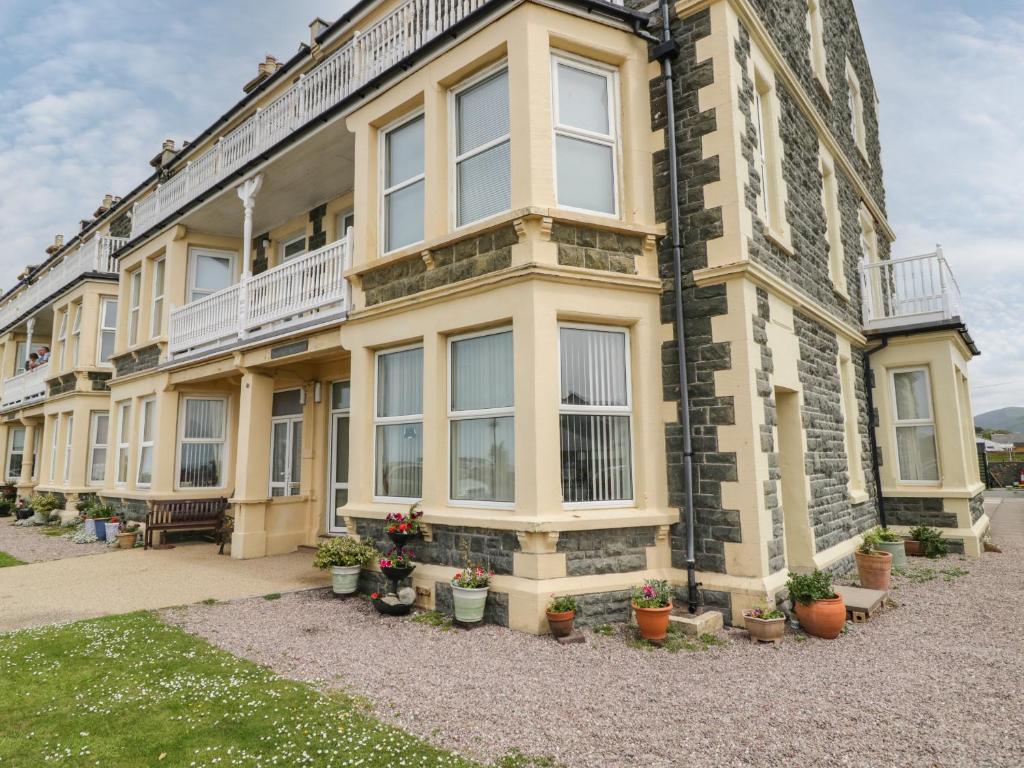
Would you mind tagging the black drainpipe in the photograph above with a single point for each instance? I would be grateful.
(869, 386)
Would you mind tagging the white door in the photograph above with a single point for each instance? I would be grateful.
(337, 477)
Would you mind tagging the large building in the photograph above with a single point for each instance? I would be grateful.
(454, 252)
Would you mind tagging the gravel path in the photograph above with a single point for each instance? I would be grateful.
(936, 682)
(29, 544)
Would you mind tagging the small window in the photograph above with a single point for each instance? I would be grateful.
(481, 422)
(292, 246)
(833, 220)
(761, 118)
(398, 424)
(286, 443)
(76, 334)
(585, 135)
(915, 426)
(147, 432)
(855, 105)
(157, 319)
(108, 330)
(15, 452)
(595, 416)
(404, 182)
(342, 224)
(62, 338)
(210, 271)
(483, 163)
(202, 433)
(99, 426)
(816, 28)
(69, 432)
(124, 413)
(20, 357)
(134, 306)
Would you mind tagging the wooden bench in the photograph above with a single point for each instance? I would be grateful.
(185, 515)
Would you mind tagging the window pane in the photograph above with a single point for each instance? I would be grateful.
(122, 466)
(596, 458)
(404, 212)
(912, 398)
(204, 419)
(212, 273)
(482, 112)
(14, 465)
(341, 392)
(146, 465)
(295, 248)
(340, 500)
(916, 447)
(158, 278)
(296, 456)
(404, 152)
(482, 372)
(102, 425)
(125, 417)
(109, 313)
(583, 99)
(18, 439)
(399, 464)
(341, 450)
(148, 410)
(200, 465)
(98, 465)
(483, 459)
(287, 403)
(106, 345)
(593, 367)
(400, 383)
(278, 451)
(485, 184)
(585, 174)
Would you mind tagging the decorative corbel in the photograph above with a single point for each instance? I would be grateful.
(546, 223)
(427, 531)
(520, 227)
(662, 534)
(428, 259)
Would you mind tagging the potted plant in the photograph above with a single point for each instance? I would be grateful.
(402, 527)
(469, 593)
(397, 563)
(128, 534)
(764, 623)
(22, 511)
(112, 528)
(5, 507)
(561, 613)
(345, 556)
(100, 515)
(891, 542)
(43, 505)
(926, 542)
(874, 567)
(820, 611)
(652, 603)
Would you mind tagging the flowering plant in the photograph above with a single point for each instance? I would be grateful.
(472, 577)
(653, 593)
(764, 612)
(562, 604)
(405, 523)
(397, 558)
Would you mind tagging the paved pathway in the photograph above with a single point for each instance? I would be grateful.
(1006, 509)
(136, 579)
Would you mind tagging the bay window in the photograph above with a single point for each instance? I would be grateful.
(915, 426)
(404, 182)
(15, 452)
(585, 136)
(124, 413)
(147, 430)
(201, 436)
(481, 423)
(483, 169)
(595, 416)
(108, 330)
(286, 443)
(398, 424)
(99, 426)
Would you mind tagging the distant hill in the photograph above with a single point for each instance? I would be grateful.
(1006, 419)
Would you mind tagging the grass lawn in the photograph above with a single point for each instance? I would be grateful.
(132, 691)
(7, 560)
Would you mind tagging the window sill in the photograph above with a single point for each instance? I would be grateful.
(778, 239)
(858, 496)
(862, 150)
(823, 87)
(841, 293)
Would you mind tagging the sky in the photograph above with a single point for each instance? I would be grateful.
(90, 88)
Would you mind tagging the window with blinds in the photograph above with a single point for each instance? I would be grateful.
(404, 180)
(483, 165)
(595, 416)
(15, 452)
(147, 431)
(98, 429)
(124, 412)
(398, 424)
(201, 442)
(134, 305)
(108, 330)
(915, 426)
(157, 320)
(481, 422)
(68, 444)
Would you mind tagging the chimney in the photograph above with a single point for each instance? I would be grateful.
(167, 151)
(108, 201)
(58, 243)
(263, 70)
(316, 27)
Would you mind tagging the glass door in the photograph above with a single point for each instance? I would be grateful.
(337, 478)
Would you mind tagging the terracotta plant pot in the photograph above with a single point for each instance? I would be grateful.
(822, 618)
(653, 622)
(875, 570)
(561, 622)
(126, 539)
(913, 547)
(767, 630)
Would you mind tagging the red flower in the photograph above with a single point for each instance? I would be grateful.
(402, 527)
(374, 596)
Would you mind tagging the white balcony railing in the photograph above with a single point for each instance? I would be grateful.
(25, 388)
(915, 289)
(92, 256)
(369, 53)
(292, 293)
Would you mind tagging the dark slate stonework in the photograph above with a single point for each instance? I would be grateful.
(603, 608)
(977, 508)
(143, 359)
(129, 509)
(63, 383)
(319, 237)
(903, 511)
(606, 551)
(495, 611)
(99, 381)
(259, 253)
(772, 500)
(480, 255)
(490, 548)
(580, 246)
(712, 600)
(121, 226)
(1004, 473)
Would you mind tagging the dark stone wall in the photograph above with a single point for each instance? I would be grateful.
(143, 359)
(617, 550)
(128, 509)
(904, 511)
(63, 383)
(487, 547)
(100, 381)
(763, 376)
(121, 226)
(480, 255)
(977, 508)
(319, 237)
(1004, 473)
(603, 608)
(580, 246)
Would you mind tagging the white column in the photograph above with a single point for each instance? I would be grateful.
(247, 191)
(30, 324)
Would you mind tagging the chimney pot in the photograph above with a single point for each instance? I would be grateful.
(316, 27)
(168, 145)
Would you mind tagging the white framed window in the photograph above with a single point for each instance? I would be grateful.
(69, 431)
(337, 491)
(833, 219)
(761, 119)
(292, 246)
(481, 432)
(209, 271)
(134, 306)
(584, 110)
(398, 424)
(156, 321)
(76, 333)
(868, 237)
(482, 161)
(51, 472)
(286, 443)
(595, 416)
(851, 424)
(342, 222)
(62, 338)
(20, 356)
(816, 28)
(107, 330)
(15, 452)
(915, 426)
(147, 433)
(855, 105)
(124, 414)
(99, 428)
(202, 428)
(404, 180)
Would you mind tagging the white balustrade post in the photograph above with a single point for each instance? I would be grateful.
(30, 326)
(247, 192)
(243, 305)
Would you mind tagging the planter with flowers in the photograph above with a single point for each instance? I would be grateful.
(345, 557)
(396, 565)
(404, 526)
(112, 528)
(22, 511)
(652, 604)
(128, 534)
(765, 624)
(469, 593)
(561, 614)
(99, 515)
(820, 611)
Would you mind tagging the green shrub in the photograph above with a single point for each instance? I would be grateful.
(884, 534)
(343, 551)
(931, 540)
(562, 603)
(870, 544)
(43, 504)
(807, 587)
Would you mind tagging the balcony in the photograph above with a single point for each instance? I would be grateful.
(91, 256)
(24, 389)
(909, 291)
(303, 290)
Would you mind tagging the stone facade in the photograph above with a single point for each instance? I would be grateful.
(603, 608)
(580, 246)
(977, 508)
(129, 509)
(1004, 473)
(903, 511)
(99, 381)
(606, 551)
(490, 548)
(62, 384)
(142, 359)
(479, 255)
(319, 237)
(121, 226)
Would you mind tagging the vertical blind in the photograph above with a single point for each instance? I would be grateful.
(98, 453)
(202, 444)
(146, 443)
(399, 429)
(483, 153)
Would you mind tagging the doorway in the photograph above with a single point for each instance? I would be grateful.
(798, 538)
(337, 448)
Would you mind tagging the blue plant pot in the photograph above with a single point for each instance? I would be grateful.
(101, 528)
